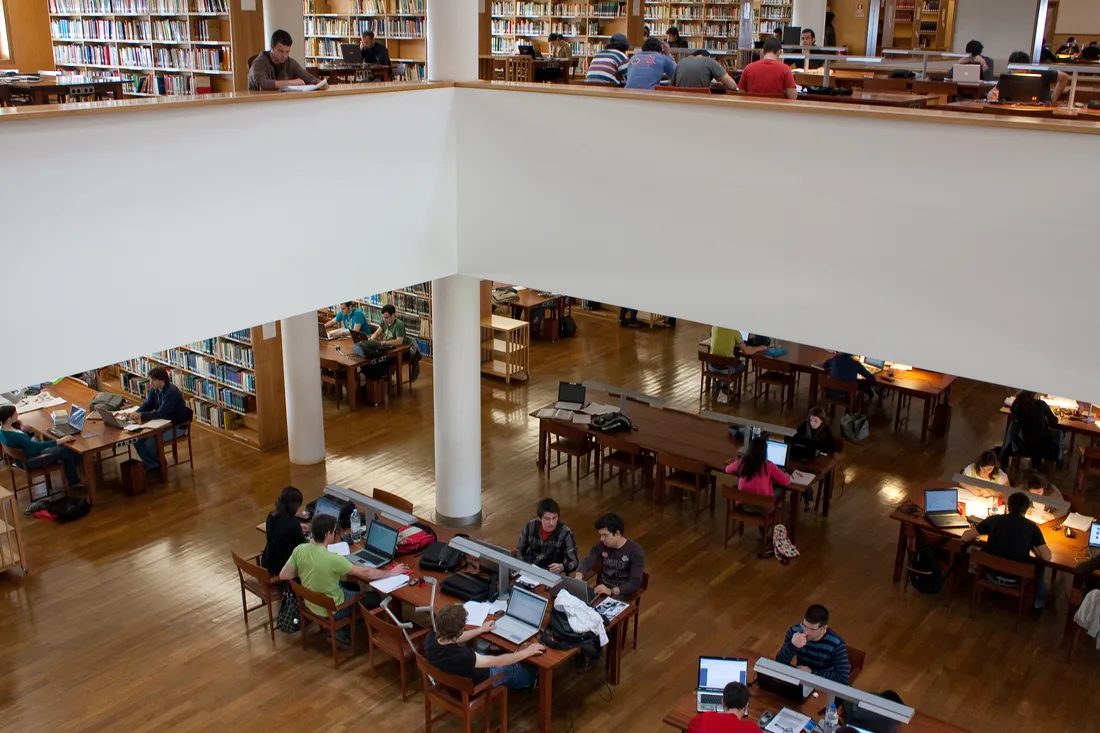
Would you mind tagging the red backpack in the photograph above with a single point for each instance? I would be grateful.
(414, 538)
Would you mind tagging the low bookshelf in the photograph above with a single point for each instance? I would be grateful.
(402, 25)
(505, 348)
(233, 383)
(413, 305)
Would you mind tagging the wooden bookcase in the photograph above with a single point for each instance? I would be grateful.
(505, 348)
(703, 24)
(919, 24)
(772, 14)
(414, 308)
(400, 24)
(234, 383)
(164, 47)
(12, 553)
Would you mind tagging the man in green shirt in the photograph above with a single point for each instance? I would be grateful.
(392, 330)
(321, 571)
(724, 342)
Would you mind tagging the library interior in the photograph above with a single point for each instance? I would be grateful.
(410, 375)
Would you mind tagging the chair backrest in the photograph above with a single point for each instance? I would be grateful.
(393, 500)
(251, 59)
(747, 497)
(379, 625)
(463, 685)
(645, 581)
(918, 536)
(1025, 571)
(520, 68)
(615, 443)
(244, 567)
(567, 432)
(1090, 460)
(716, 360)
(885, 85)
(856, 658)
(485, 68)
(678, 463)
(767, 364)
(317, 599)
(14, 454)
(839, 385)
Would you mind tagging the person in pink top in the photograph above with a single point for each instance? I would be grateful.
(756, 473)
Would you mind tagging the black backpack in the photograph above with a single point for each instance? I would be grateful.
(441, 557)
(68, 509)
(567, 328)
(467, 587)
(560, 635)
(925, 574)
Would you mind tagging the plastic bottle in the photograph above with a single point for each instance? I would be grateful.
(832, 720)
(356, 528)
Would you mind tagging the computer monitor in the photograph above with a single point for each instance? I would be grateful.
(1023, 88)
(777, 452)
(876, 363)
(328, 506)
(941, 500)
(717, 672)
(792, 35)
(1094, 535)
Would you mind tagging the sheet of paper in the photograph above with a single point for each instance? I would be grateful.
(596, 408)
(388, 585)
(339, 548)
(323, 84)
(551, 413)
(527, 580)
(977, 506)
(127, 410)
(498, 607)
(581, 419)
(788, 720)
(609, 608)
(476, 612)
(801, 478)
(1078, 521)
(154, 424)
(38, 402)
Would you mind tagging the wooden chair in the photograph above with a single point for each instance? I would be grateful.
(574, 443)
(947, 555)
(850, 400)
(573, 69)
(390, 640)
(177, 438)
(18, 462)
(707, 378)
(519, 68)
(460, 697)
(769, 373)
(638, 605)
(257, 581)
(326, 620)
(735, 515)
(1023, 592)
(618, 453)
(485, 68)
(397, 502)
(332, 378)
(874, 84)
(1088, 465)
(686, 475)
(857, 659)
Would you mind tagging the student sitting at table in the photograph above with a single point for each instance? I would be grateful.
(1056, 80)
(1013, 536)
(349, 317)
(560, 47)
(1036, 483)
(373, 52)
(321, 571)
(274, 69)
(974, 57)
(163, 401)
(769, 75)
(1033, 432)
(847, 368)
(816, 648)
(755, 474)
(622, 561)
(735, 706)
(699, 71)
(986, 468)
(283, 530)
(647, 67)
(724, 342)
(608, 67)
(672, 35)
(446, 649)
(1069, 48)
(39, 452)
(814, 428)
(392, 331)
(547, 541)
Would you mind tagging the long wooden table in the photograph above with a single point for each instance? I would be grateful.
(878, 99)
(349, 73)
(339, 355)
(529, 300)
(696, 438)
(763, 701)
(96, 437)
(39, 92)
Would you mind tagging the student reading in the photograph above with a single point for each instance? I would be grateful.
(349, 317)
(275, 69)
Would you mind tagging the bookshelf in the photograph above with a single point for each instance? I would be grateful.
(505, 348)
(588, 25)
(703, 24)
(771, 14)
(233, 383)
(905, 23)
(12, 553)
(413, 305)
(402, 25)
(923, 24)
(161, 47)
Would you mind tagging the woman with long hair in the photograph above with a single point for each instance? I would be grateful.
(283, 529)
(755, 473)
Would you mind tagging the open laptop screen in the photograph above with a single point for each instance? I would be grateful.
(526, 607)
(1094, 535)
(876, 363)
(777, 452)
(941, 500)
(571, 392)
(382, 538)
(76, 417)
(717, 672)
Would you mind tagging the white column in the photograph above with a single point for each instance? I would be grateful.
(452, 39)
(456, 374)
(811, 14)
(302, 385)
(285, 15)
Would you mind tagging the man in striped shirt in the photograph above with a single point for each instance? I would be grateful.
(609, 66)
(818, 648)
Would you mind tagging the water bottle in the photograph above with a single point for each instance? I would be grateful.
(832, 720)
(356, 530)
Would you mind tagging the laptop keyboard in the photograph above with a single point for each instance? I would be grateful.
(710, 699)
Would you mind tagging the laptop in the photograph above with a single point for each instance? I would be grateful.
(1094, 539)
(359, 336)
(570, 396)
(523, 618)
(793, 691)
(714, 674)
(75, 426)
(329, 506)
(874, 365)
(1023, 87)
(381, 545)
(322, 332)
(777, 452)
(352, 53)
(941, 508)
(968, 73)
(528, 50)
(577, 588)
(109, 419)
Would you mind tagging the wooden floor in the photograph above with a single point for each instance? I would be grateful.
(130, 618)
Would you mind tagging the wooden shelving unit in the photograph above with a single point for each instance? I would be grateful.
(234, 384)
(402, 25)
(162, 47)
(704, 24)
(772, 14)
(505, 348)
(414, 308)
(12, 553)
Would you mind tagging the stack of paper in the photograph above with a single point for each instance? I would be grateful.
(478, 611)
(388, 585)
(527, 580)
(596, 408)
(800, 478)
(550, 413)
(339, 548)
(788, 720)
(1079, 522)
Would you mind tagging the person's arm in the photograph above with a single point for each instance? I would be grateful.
(297, 71)
(289, 572)
(148, 405)
(623, 68)
(485, 628)
(369, 574)
(485, 662)
(727, 81)
(670, 67)
(589, 562)
(790, 88)
(521, 546)
(1048, 414)
(733, 466)
(1088, 567)
(385, 56)
(171, 402)
(1059, 87)
(840, 667)
(696, 724)
(863, 371)
(634, 581)
(261, 78)
(330, 323)
(787, 651)
(569, 545)
(972, 533)
(1042, 549)
(358, 324)
(778, 475)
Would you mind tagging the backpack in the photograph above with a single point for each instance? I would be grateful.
(466, 587)
(782, 546)
(924, 570)
(560, 635)
(287, 621)
(442, 558)
(414, 538)
(567, 328)
(854, 427)
(68, 509)
(106, 401)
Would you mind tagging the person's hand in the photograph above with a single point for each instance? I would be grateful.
(556, 567)
(602, 589)
(798, 640)
(66, 440)
(295, 83)
(488, 626)
(578, 576)
(533, 650)
(804, 668)
(398, 570)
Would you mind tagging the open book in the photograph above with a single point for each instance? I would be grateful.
(323, 84)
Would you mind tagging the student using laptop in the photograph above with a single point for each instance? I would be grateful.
(1052, 80)
(547, 542)
(755, 474)
(815, 648)
(446, 649)
(1013, 536)
(735, 706)
(986, 468)
(164, 401)
(321, 572)
(1086, 570)
(622, 561)
(373, 51)
(349, 317)
(846, 368)
(974, 55)
(39, 452)
(392, 331)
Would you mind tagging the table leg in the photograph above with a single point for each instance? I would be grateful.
(353, 388)
(615, 657)
(546, 684)
(541, 460)
(89, 475)
(813, 387)
(792, 527)
(899, 558)
(925, 419)
(400, 363)
(827, 490)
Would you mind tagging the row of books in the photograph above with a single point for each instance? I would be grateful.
(374, 7)
(520, 27)
(206, 346)
(416, 72)
(244, 335)
(98, 54)
(196, 386)
(235, 400)
(171, 30)
(65, 29)
(236, 353)
(416, 326)
(204, 59)
(768, 27)
(137, 7)
(776, 13)
(423, 289)
(134, 384)
(241, 379)
(691, 28)
(214, 415)
(173, 85)
(328, 27)
(689, 12)
(409, 303)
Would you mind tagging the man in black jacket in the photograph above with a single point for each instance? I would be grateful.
(547, 542)
(163, 402)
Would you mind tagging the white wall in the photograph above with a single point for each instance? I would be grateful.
(1078, 17)
(937, 258)
(147, 230)
(285, 15)
(810, 14)
(1003, 26)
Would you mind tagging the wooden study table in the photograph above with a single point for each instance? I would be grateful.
(97, 436)
(339, 354)
(529, 300)
(699, 439)
(1066, 422)
(764, 701)
(878, 99)
(349, 73)
(39, 92)
(930, 387)
(802, 358)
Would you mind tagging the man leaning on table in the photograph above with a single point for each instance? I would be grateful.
(272, 70)
(163, 402)
(392, 331)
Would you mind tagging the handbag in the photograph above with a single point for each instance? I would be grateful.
(287, 621)
(855, 427)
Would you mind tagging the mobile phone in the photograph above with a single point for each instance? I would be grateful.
(765, 718)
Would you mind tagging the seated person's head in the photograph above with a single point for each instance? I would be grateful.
(618, 42)
(986, 465)
(645, 31)
(815, 622)
(1091, 53)
(673, 33)
(548, 513)
(610, 528)
(700, 52)
(816, 418)
(289, 501)
(974, 48)
(778, 34)
(346, 308)
(1036, 483)
(1018, 503)
(280, 46)
(323, 528)
(653, 45)
(7, 414)
(808, 37)
(368, 39)
(158, 377)
(735, 697)
(1019, 57)
(554, 37)
(389, 313)
(773, 45)
(449, 623)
